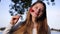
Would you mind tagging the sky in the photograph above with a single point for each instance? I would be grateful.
(53, 13)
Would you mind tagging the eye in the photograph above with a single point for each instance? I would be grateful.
(36, 7)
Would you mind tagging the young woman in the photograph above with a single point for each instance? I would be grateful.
(36, 21)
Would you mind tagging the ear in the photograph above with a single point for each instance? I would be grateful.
(31, 10)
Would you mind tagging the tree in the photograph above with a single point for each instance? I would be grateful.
(52, 1)
(19, 6)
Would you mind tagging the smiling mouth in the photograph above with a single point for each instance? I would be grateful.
(37, 14)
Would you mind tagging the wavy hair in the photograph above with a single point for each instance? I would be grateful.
(27, 26)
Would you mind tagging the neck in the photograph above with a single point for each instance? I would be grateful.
(33, 19)
(34, 22)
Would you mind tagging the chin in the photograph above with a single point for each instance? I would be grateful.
(35, 16)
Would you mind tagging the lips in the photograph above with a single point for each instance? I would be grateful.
(36, 13)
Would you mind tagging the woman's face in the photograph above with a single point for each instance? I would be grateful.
(37, 10)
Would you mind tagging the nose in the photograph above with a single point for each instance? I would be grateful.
(38, 10)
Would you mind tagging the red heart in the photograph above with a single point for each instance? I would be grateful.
(31, 10)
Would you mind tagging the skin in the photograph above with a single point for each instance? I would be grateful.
(14, 19)
(38, 11)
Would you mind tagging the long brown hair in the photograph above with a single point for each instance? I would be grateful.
(27, 26)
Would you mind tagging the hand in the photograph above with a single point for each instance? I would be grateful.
(14, 19)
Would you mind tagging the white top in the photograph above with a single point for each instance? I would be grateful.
(34, 31)
(7, 30)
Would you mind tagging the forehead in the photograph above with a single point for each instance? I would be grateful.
(40, 5)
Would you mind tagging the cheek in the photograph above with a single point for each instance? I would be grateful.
(31, 10)
(32, 13)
